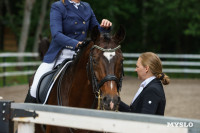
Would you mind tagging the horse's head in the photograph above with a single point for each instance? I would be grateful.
(43, 46)
(106, 67)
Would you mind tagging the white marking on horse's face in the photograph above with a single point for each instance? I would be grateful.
(111, 85)
(109, 55)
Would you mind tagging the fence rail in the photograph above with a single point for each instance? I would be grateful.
(13, 54)
(87, 119)
(4, 64)
(172, 63)
(183, 56)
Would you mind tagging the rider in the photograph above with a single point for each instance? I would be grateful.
(70, 21)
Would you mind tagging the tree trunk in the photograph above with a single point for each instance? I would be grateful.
(26, 24)
(40, 25)
(1, 26)
(144, 25)
(10, 16)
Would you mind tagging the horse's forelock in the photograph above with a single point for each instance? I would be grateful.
(106, 37)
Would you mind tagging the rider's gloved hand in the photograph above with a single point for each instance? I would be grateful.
(82, 44)
(78, 44)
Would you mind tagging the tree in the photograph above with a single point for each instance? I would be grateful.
(1, 25)
(26, 24)
(40, 24)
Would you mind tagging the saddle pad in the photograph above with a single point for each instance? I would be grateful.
(47, 81)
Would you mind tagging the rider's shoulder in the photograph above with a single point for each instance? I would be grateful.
(86, 4)
(58, 4)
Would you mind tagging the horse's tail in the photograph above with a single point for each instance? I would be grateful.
(43, 46)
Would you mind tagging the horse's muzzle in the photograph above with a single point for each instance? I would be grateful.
(110, 103)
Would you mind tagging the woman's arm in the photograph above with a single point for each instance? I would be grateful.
(150, 102)
(105, 24)
(57, 29)
(124, 107)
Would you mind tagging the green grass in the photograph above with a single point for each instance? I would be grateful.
(14, 80)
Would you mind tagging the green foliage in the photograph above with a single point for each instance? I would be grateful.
(13, 19)
(161, 26)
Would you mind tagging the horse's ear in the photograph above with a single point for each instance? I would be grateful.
(95, 35)
(120, 34)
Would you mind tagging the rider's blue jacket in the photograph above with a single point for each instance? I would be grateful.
(69, 25)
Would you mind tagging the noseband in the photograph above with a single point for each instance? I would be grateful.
(96, 86)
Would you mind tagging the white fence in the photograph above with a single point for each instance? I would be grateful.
(6, 64)
(172, 63)
(87, 119)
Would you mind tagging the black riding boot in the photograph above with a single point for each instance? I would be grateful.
(30, 99)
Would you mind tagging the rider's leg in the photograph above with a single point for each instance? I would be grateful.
(42, 69)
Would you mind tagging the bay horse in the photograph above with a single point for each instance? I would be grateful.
(94, 78)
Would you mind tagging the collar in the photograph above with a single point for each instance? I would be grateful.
(74, 3)
(147, 81)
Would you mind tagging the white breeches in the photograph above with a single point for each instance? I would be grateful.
(46, 67)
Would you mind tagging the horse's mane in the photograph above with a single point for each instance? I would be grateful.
(106, 38)
(81, 50)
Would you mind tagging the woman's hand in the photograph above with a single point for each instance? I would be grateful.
(106, 24)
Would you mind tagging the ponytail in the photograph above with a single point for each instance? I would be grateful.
(164, 78)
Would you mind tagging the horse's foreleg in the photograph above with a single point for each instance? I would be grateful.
(39, 128)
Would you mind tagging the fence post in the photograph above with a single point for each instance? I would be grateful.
(4, 70)
(26, 127)
(6, 124)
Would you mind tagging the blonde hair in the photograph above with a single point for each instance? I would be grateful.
(155, 65)
(63, 1)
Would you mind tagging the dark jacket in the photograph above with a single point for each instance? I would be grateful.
(150, 101)
(69, 26)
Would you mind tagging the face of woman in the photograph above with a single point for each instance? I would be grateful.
(141, 70)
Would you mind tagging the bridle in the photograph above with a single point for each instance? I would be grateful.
(95, 85)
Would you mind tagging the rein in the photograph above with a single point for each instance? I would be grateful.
(95, 85)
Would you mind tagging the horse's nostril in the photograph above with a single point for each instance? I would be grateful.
(104, 99)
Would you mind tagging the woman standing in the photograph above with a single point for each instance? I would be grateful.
(70, 20)
(150, 97)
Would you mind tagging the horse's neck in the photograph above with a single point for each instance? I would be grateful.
(79, 87)
(81, 63)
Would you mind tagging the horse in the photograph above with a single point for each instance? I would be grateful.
(94, 78)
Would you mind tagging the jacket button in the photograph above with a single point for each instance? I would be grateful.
(76, 23)
(75, 33)
(83, 22)
(83, 32)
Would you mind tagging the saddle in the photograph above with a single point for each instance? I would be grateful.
(48, 79)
